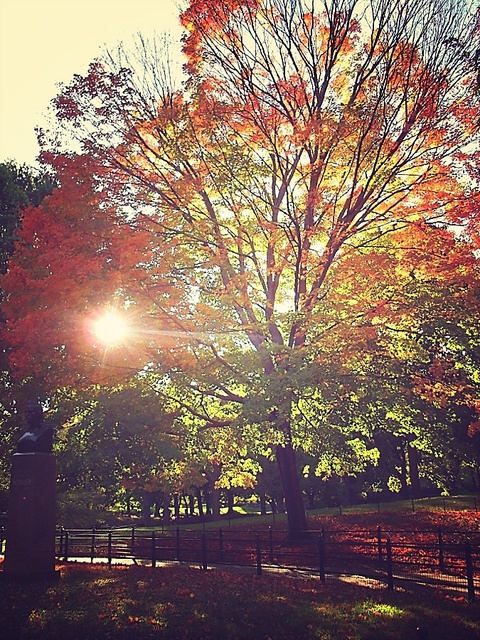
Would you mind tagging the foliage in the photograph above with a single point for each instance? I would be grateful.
(20, 186)
(279, 232)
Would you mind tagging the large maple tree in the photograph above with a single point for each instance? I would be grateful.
(257, 223)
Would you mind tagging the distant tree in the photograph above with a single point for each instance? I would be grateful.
(20, 186)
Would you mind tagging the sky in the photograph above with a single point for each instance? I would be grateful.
(45, 42)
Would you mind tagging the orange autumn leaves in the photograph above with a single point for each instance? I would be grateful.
(73, 257)
(281, 198)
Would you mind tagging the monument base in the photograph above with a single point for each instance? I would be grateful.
(30, 544)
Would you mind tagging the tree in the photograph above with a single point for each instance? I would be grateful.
(306, 134)
(112, 446)
(20, 186)
(411, 385)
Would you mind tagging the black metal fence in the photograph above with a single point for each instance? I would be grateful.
(437, 557)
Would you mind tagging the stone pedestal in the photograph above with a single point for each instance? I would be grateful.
(30, 550)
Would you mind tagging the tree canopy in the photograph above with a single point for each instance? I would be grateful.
(279, 231)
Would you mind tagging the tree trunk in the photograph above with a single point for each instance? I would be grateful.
(413, 459)
(263, 504)
(230, 501)
(200, 502)
(297, 520)
(176, 506)
(166, 508)
(215, 493)
(148, 500)
(403, 470)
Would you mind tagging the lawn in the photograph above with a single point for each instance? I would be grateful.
(93, 602)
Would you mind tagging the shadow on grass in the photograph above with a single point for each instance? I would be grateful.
(136, 603)
(18, 601)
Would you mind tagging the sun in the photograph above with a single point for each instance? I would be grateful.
(111, 328)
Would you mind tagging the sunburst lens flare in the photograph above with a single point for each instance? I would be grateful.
(111, 328)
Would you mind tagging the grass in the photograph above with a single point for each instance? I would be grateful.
(136, 603)
(400, 513)
(249, 515)
(93, 602)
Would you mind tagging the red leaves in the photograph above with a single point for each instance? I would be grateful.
(203, 18)
(93, 601)
(72, 256)
(474, 428)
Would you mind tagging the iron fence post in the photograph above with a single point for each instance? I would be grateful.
(379, 545)
(204, 551)
(177, 545)
(270, 544)
(60, 543)
(65, 545)
(92, 545)
(154, 550)
(441, 562)
(389, 565)
(132, 543)
(109, 549)
(321, 558)
(259, 555)
(469, 565)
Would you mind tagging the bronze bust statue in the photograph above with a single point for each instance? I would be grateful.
(38, 438)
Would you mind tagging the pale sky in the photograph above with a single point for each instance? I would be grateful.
(45, 42)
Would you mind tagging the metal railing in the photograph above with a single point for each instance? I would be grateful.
(440, 557)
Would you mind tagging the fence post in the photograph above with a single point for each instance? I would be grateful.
(259, 555)
(154, 550)
(65, 545)
(389, 565)
(177, 550)
(321, 558)
(132, 543)
(441, 562)
(220, 543)
(109, 548)
(92, 545)
(379, 545)
(204, 551)
(60, 550)
(270, 544)
(469, 563)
